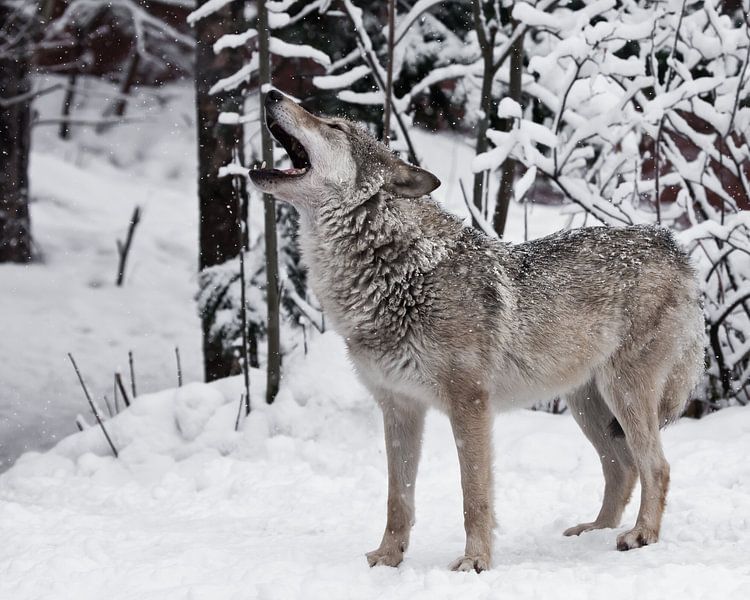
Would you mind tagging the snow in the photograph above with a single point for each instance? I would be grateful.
(509, 109)
(287, 506)
(242, 75)
(362, 97)
(333, 82)
(210, 7)
(523, 185)
(415, 12)
(287, 50)
(234, 40)
(83, 194)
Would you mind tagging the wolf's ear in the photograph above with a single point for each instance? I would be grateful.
(408, 181)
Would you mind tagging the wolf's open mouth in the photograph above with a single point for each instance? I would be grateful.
(295, 150)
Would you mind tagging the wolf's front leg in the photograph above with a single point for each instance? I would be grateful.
(471, 419)
(403, 424)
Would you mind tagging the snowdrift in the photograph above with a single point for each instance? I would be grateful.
(286, 507)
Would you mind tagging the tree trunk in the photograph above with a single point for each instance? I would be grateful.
(486, 44)
(64, 131)
(273, 376)
(219, 236)
(127, 83)
(481, 140)
(15, 142)
(505, 192)
(388, 107)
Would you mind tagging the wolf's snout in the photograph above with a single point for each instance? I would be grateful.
(273, 97)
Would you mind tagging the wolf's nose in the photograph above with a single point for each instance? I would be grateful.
(273, 97)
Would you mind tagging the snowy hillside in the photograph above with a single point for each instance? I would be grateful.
(287, 507)
(83, 194)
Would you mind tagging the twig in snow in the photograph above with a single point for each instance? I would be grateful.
(81, 423)
(239, 412)
(132, 372)
(123, 249)
(114, 393)
(8, 102)
(243, 312)
(121, 387)
(109, 406)
(179, 366)
(87, 122)
(91, 404)
(477, 219)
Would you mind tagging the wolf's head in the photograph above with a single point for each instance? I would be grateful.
(332, 159)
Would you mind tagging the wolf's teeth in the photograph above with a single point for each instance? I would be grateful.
(263, 166)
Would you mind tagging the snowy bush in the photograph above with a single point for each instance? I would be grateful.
(637, 112)
(219, 301)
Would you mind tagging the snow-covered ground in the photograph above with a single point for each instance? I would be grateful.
(286, 507)
(83, 194)
(84, 190)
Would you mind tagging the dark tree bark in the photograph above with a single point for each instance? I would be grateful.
(64, 131)
(505, 192)
(127, 83)
(273, 373)
(219, 234)
(15, 135)
(388, 107)
(486, 44)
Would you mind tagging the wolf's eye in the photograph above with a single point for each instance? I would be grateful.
(336, 126)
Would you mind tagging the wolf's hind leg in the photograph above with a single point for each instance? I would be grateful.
(633, 394)
(602, 429)
(403, 423)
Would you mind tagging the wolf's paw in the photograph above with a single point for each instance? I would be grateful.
(385, 557)
(636, 537)
(471, 563)
(584, 527)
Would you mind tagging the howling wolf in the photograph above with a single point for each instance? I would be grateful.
(435, 313)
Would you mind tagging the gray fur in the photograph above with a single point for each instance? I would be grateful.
(437, 314)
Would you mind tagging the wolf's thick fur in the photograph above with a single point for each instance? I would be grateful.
(436, 314)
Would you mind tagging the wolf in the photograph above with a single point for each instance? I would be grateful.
(436, 314)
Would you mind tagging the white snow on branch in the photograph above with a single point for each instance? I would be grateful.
(287, 50)
(243, 75)
(278, 20)
(234, 118)
(532, 16)
(419, 8)
(179, 3)
(232, 169)
(278, 6)
(362, 97)
(509, 109)
(334, 82)
(234, 40)
(522, 186)
(208, 8)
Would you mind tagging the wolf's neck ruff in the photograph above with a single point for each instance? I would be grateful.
(368, 263)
